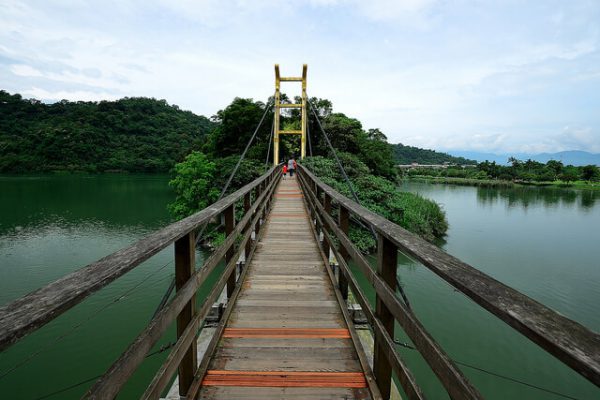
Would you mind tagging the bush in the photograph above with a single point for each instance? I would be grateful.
(411, 211)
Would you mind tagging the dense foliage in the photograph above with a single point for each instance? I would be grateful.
(518, 171)
(131, 134)
(235, 125)
(408, 154)
(366, 155)
(421, 216)
(149, 135)
(198, 181)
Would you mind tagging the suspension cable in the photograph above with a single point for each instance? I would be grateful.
(497, 375)
(270, 141)
(200, 234)
(73, 386)
(237, 166)
(73, 328)
(354, 195)
(339, 163)
(308, 136)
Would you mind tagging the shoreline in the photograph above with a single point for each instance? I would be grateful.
(500, 183)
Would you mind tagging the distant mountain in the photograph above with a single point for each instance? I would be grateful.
(574, 157)
(409, 154)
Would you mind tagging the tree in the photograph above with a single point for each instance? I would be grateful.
(193, 185)
(590, 173)
(235, 126)
(421, 216)
(569, 174)
(132, 134)
(555, 166)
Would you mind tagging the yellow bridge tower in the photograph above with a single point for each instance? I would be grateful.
(279, 106)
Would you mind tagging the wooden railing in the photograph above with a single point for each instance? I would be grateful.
(34, 310)
(570, 342)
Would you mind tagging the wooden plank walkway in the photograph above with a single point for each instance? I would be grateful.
(286, 337)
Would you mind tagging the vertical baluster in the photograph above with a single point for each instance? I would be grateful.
(258, 192)
(327, 206)
(229, 214)
(318, 193)
(249, 241)
(185, 260)
(387, 262)
(344, 223)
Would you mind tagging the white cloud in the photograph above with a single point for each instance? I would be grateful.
(76, 95)
(24, 70)
(386, 10)
(476, 77)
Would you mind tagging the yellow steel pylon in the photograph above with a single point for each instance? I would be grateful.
(279, 106)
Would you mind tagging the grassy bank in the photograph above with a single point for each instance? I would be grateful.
(502, 183)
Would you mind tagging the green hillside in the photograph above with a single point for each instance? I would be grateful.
(131, 134)
(409, 154)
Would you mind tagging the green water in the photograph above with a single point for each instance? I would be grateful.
(544, 242)
(53, 225)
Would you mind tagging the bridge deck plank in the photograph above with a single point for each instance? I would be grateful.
(288, 293)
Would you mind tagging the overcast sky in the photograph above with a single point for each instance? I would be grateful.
(500, 76)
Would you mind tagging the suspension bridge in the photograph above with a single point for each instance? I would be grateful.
(286, 329)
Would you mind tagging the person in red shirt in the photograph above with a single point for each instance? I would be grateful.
(284, 170)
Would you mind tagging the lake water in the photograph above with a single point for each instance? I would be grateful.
(53, 225)
(544, 242)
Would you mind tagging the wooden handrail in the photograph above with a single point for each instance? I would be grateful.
(449, 374)
(572, 343)
(116, 376)
(406, 378)
(39, 307)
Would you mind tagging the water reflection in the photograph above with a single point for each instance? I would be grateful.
(114, 201)
(526, 197)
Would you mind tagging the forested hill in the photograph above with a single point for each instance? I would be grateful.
(409, 154)
(132, 134)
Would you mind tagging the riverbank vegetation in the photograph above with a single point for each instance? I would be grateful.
(517, 173)
(149, 135)
(366, 155)
(131, 134)
(381, 195)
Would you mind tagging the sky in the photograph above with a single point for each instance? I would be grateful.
(494, 76)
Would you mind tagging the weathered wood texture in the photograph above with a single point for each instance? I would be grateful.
(569, 341)
(37, 308)
(387, 262)
(449, 374)
(286, 319)
(115, 377)
(185, 264)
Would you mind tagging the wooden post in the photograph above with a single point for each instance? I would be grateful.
(387, 262)
(344, 223)
(327, 206)
(185, 261)
(258, 192)
(318, 192)
(249, 241)
(229, 214)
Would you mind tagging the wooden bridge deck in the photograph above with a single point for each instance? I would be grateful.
(286, 336)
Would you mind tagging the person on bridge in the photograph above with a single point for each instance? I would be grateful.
(291, 166)
(284, 170)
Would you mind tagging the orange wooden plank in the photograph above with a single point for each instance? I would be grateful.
(284, 379)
